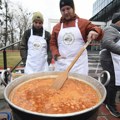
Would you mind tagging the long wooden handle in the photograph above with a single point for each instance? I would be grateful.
(78, 55)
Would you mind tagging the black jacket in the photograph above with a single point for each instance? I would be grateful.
(24, 45)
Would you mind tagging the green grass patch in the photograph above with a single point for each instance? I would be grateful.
(13, 57)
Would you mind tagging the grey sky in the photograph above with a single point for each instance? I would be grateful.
(50, 8)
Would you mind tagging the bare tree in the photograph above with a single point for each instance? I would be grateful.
(24, 20)
(15, 21)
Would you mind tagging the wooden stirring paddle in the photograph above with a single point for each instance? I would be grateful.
(62, 77)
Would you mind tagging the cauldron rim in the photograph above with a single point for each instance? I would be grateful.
(53, 115)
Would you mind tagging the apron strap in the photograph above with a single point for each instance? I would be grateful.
(61, 26)
(31, 32)
(76, 24)
(43, 33)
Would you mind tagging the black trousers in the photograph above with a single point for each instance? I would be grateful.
(111, 88)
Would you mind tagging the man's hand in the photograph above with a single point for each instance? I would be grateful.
(92, 35)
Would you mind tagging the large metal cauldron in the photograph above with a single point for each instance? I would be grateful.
(22, 114)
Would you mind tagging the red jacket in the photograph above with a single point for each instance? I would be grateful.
(84, 25)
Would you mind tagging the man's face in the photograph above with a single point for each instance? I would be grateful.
(67, 12)
(37, 24)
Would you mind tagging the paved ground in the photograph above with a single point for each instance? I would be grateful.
(104, 113)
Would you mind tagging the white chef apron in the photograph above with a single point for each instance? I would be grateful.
(70, 42)
(37, 54)
(116, 63)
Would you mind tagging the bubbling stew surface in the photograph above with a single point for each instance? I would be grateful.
(37, 95)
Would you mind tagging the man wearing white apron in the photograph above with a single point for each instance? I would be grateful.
(37, 54)
(69, 36)
(34, 48)
(116, 63)
(110, 61)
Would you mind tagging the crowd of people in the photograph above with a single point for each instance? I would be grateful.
(39, 47)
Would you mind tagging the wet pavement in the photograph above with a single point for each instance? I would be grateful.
(104, 114)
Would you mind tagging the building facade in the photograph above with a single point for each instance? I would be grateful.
(103, 10)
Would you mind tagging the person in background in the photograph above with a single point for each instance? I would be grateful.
(110, 61)
(34, 48)
(69, 35)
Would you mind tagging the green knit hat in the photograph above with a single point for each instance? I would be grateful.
(37, 16)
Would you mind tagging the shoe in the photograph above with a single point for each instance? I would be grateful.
(113, 111)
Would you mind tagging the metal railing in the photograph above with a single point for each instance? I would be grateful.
(5, 59)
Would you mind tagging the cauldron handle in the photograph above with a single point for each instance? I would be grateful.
(5, 75)
(104, 77)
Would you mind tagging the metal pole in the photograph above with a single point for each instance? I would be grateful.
(5, 64)
(5, 59)
(6, 30)
(6, 36)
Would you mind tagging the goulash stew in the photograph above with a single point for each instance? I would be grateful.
(38, 96)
